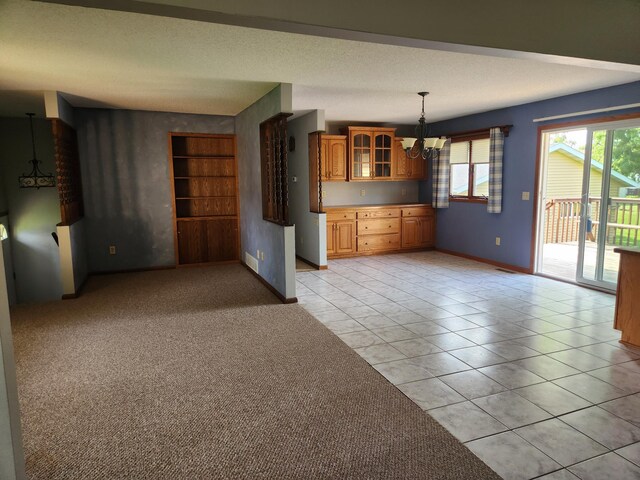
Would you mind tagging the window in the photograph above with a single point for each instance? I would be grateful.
(469, 161)
(3, 232)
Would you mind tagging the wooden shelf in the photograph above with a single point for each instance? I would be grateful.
(205, 196)
(205, 186)
(209, 217)
(204, 176)
(199, 157)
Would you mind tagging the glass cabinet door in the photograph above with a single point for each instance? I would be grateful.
(361, 150)
(382, 155)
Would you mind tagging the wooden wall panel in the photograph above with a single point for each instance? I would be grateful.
(69, 181)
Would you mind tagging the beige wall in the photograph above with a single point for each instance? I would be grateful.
(564, 178)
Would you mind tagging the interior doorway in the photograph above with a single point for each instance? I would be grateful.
(589, 201)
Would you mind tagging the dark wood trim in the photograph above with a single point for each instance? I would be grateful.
(470, 138)
(479, 133)
(176, 250)
(555, 126)
(469, 199)
(62, 224)
(270, 287)
(133, 270)
(207, 264)
(485, 260)
(317, 267)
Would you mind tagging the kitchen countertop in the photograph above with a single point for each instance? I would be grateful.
(378, 205)
(631, 250)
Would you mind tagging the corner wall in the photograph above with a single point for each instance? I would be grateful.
(276, 241)
(311, 242)
(33, 213)
(12, 466)
(467, 227)
(124, 160)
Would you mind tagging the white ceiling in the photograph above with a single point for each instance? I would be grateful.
(122, 60)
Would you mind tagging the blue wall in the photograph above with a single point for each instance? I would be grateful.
(275, 241)
(124, 160)
(468, 228)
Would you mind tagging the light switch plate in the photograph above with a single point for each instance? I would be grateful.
(525, 195)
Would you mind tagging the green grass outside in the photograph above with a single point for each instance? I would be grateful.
(627, 218)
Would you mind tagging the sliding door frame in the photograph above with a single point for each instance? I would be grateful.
(547, 128)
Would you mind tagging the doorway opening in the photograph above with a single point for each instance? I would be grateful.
(588, 201)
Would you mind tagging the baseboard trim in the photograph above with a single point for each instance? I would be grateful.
(317, 267)
(76, 294)
(133, 270)
(270, 287)
(486, 260)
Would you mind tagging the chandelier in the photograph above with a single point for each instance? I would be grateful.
(35, 179)
(424, 146)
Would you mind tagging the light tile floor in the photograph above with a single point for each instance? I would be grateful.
(526, 371)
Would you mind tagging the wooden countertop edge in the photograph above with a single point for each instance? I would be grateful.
(631, 250)
(359, 207)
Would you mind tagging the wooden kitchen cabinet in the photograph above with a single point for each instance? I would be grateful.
(371, 153)
(341, 233)
(367, 230)
(333, 159)
(405, 168)
(418, 227)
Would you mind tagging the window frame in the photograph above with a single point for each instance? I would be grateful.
(469, 197)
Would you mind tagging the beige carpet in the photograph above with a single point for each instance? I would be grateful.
(201, 373)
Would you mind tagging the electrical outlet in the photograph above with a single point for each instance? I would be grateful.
(498, 241)
(262, 255)
(404, 192)
(258, 254)
(112, 249)
(362, 193)
(294, 179)
(525, 195)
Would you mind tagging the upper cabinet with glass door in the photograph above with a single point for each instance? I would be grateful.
(371, 152)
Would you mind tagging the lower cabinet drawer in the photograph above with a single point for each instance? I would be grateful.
(367, 243)
(417, 211)
(337, 215)
(378, 225)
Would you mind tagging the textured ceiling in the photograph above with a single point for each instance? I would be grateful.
(123, 60)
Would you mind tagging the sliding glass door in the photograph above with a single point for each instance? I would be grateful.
(610, 203)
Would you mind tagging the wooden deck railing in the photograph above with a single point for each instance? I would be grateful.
(562, 220)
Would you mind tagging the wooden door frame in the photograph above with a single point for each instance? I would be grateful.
(541, 130)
